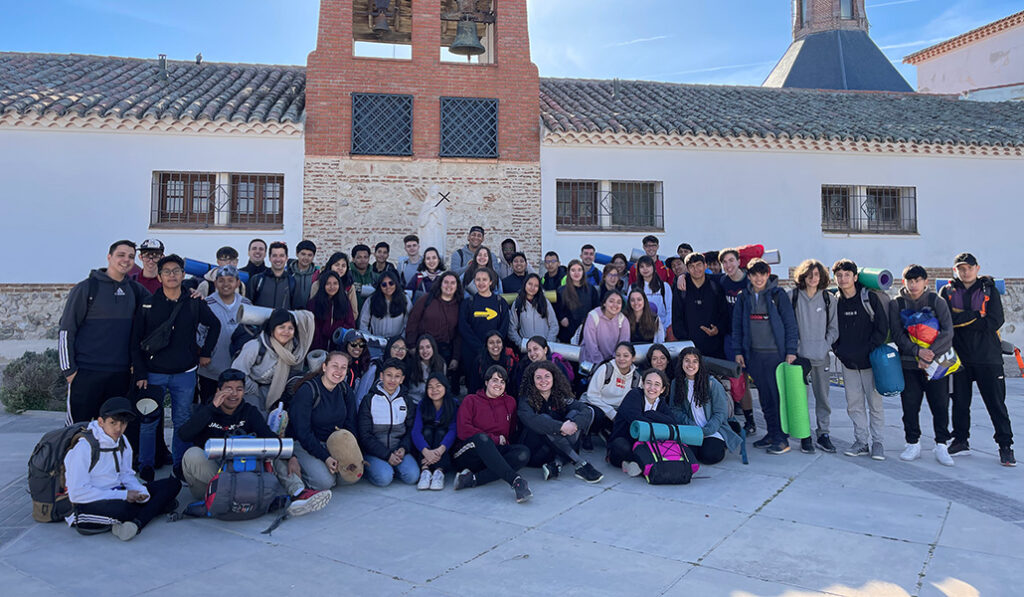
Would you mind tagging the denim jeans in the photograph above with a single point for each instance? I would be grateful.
(380, 473)
(182, 387)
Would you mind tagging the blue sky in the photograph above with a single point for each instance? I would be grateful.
(696, 41)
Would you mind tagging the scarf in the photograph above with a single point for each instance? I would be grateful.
(286, 359)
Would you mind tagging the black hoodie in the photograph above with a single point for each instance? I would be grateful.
(859, 333)
(976, 338)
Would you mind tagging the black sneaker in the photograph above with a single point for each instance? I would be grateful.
(750, 426)
(178, 474)
(464, 479)
(550, 470)
(147, 474)
(587, 445)
(588, 473)
(958, 448)
(522, 490)
(735, 426)
(825, 443)
(1006, 456)
(807, 446)
(764, 442)
(779, 448)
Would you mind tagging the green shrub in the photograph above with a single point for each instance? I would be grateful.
(33, 381)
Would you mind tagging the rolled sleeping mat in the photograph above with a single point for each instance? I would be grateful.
(248, 447)
(674, 348)
(772, 256)
(875, 278)
(602, 258)
(366, 290)
(723, 368)
(316, 359)
(570, 352)
(551, 295)
(199, 269)
(1000, 284)
(339, 337)
(887, 370)
(253, 315)
(344, 448)
(793, 400)
(643, 431)
(748, 252)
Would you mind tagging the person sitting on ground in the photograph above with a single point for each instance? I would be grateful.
(531, 314)
(537, 349)
(270, 359)
(385, 425)
(354, 345)
(331, 310)
(387, 311)
(644, 325)
(605, 328)
(554, 422)
(228, 415)
(494, 353)
(105, 494)
(700, 400)
(609, 384)
(428, 270)
(322, 407)
(576, 298)
(424, 361)
(484, 451)
(649, 403)
(338, 263)
(433, 432)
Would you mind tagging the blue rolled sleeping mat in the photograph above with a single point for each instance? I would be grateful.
(645, 431)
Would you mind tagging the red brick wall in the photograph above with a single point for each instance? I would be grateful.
(333, 73)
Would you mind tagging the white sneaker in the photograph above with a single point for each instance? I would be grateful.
(631, 468)
(425, 478)
(942, 455)
(911, 452)
(437, 480)
(125, 531)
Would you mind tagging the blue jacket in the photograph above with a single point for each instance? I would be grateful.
(780, 316)
(716, 411)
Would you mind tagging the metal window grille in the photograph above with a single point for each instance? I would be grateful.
(614, 205)
(469, 127)
(196, 200)
(868, 210)
(381, 124)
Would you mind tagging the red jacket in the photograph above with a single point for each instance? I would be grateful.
(662, 272)
(493, 416)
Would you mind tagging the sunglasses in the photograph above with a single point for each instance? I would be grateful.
(357, 344)
(386, 283)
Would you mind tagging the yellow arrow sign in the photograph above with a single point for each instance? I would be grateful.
(487, 313)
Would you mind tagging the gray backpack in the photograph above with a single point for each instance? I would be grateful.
(243, 489)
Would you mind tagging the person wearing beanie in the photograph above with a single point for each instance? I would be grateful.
(303, 270)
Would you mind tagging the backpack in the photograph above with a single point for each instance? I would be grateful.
(242, 334)
(609, 373)
(826, 295)
(46, 481)
(243, 489)
(667, 462)
(258, 286)
(564, 364)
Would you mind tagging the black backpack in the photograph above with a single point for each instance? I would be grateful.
(242, 334)
(243, 489)
(46, 481)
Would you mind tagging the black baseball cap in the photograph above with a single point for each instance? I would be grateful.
(965, 258)
(117, 406)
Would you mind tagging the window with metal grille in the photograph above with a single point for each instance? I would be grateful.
(609, 205)
(469, 127)
(206, 199)
(636, 204)
(576, 203)
(381, 124)
(853, 209)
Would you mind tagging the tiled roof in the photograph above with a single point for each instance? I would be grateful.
(836, 59)
(953, 43)
(581, 105)
(71, 84)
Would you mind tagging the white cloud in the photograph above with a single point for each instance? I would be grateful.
(639, 40)
(910, 44)
(892, 3)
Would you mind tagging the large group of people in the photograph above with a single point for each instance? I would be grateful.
(431, 368)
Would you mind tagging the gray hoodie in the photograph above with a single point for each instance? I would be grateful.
(227, 314)
(529, 323)
(818, 325)
(303, 284)
(908, 349)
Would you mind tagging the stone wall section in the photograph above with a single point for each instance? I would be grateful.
(31, 311)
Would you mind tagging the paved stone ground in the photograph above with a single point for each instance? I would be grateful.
(790, 525)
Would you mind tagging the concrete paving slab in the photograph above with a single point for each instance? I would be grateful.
(640, 519)
(874, 513)
(806, 555)
(964, 571)
(744, 491)
(786, 465)
(540, 563)
(861, 472)
(18, 583)
(969, 529)
(711, 582)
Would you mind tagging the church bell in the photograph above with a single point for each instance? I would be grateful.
(467, 42)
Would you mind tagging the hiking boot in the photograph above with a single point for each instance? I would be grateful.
(631, 468)
(309, 500)
(911, 452)
(825, 443)
(588, 473)
(464, 480)
(587, 445)
(750, 426)
(857, 449)
(942, 455)
(877, 451)
(425, 478)
(807, 446)
(522, 490)
(764, 442)
(779, 448)
(125, 531)
(959, 448)
(1006, 456)
(437, 480)
(147, 474)
(550, 470)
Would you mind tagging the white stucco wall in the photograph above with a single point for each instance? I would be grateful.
(995, 60)
(722, 198)
(66, 195)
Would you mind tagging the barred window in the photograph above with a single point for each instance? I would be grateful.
(576, 203)
(469, 127)
(207, 199)
(381, 124)
(853, 209)
(609, 205)
(634, 204)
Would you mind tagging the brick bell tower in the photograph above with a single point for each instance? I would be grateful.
(412, 104)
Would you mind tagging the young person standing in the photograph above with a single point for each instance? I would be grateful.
(554, 274)
(733, 281)
(275, 288)
(480, 314)
(303, 270)
(224, 304)
(362, 273)
(463, 256)
(381, 252)
(651, 246)
(593, 274)
(257, 254)
(409, 263)
(700, 313)
(150, 252)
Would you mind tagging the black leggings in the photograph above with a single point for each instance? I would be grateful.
(620, 449)
(491, 462)
(601, 422)
(433, 436)
(96, 517)
(712, 451)
(545, 448)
